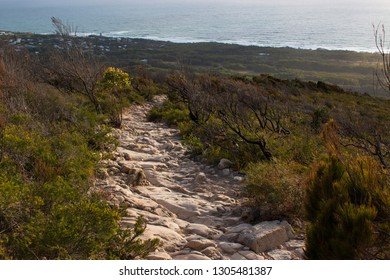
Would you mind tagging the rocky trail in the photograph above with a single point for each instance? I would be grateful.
(196, 210)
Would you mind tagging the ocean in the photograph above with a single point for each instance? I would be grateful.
(333, 27)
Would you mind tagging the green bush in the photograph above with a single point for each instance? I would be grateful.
(347, 207)
(155, 114)
(172, 114)
(127, 245)
(50, 146)
(47, 210)
(344, 207)
(114, 86)
(275, 189)
(196, 147)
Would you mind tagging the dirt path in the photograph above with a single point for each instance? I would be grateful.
(195, 209)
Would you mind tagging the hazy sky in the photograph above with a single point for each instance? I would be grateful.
(98, 2)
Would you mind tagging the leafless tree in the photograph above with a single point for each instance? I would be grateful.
(70, 68)
(196, 93)
(63, 29)
(251, 114)
(368, 134)
(244, 108)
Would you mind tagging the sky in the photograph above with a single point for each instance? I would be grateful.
(29, 3)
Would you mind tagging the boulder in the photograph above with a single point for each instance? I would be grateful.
(126, 168)
(264, 236)
(166, 222)
(224, 163)
(299, 253)
(293, 244)
(240, 228)
(238, 178)
(168, 146)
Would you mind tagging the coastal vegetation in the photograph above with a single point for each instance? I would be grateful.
(271, 130)
(354, 71)
(53, 131)
(311, 151)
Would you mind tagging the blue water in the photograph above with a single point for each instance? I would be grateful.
(308, 27)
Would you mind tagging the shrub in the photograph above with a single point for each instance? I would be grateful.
(347, 207)
(172, 114)
(196, 147)
(49, 152)
(146, 88)
(115, 85)
(319, 117)
(275, 189)
(126, 244)
(344, 207)
(303, 149)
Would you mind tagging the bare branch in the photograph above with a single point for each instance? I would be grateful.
(63, 29)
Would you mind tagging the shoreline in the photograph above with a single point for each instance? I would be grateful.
(179, 40)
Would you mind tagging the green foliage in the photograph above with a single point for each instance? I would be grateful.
(146, 88)
(115, 87)
(50, 145)
(301, 147)
(172, 114)
(275, 189)
(347, 207)
(194, 143)
(127, 245)
(118, 91)
(115, 79)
